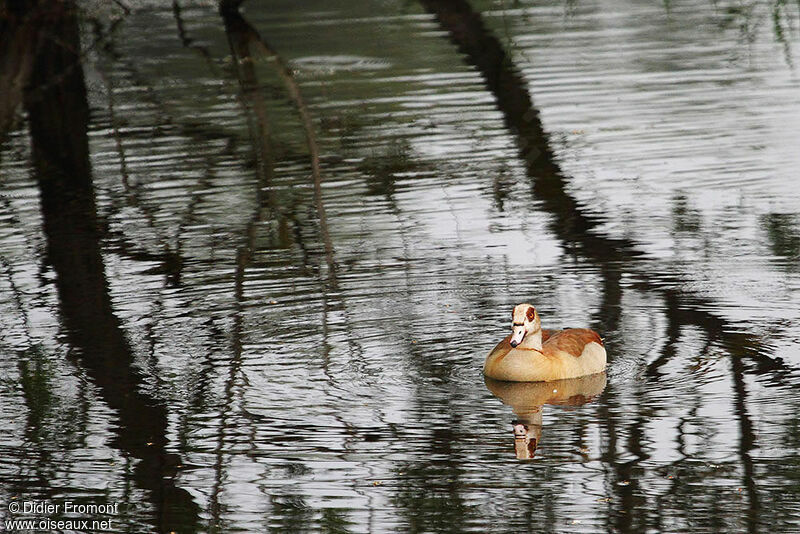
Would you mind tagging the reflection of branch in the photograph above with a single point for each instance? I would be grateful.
(311, 140)
(746, 443)
(778, 12)
(187, 41)
(232, 17)
(257, 122)
(673, 338)
(199, 131)
(123, 167)
(124, 6)
(16, 296)
(171, 262)
(240, 36)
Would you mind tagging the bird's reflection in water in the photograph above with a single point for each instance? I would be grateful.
(527, 399)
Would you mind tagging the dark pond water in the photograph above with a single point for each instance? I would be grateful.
(229, 339)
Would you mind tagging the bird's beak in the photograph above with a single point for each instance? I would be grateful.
(517, 334)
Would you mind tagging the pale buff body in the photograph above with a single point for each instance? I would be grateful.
(565, 354)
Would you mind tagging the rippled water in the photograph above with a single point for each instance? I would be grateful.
(243, 365)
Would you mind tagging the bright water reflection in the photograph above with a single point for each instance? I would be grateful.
(249, 368)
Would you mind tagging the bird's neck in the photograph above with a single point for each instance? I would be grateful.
(532, 341)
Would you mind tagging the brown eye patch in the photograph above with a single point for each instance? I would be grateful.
(530, 314)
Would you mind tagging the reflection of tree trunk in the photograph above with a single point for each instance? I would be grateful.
(59, 115)
(239, 38)
(574, 227)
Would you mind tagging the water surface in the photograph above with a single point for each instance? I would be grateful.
(239, 363)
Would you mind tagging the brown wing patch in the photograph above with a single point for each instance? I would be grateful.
(547, 333)
(572, 340)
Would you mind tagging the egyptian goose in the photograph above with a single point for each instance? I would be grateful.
(530, 354)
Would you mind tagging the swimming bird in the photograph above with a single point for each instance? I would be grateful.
(531, 354)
